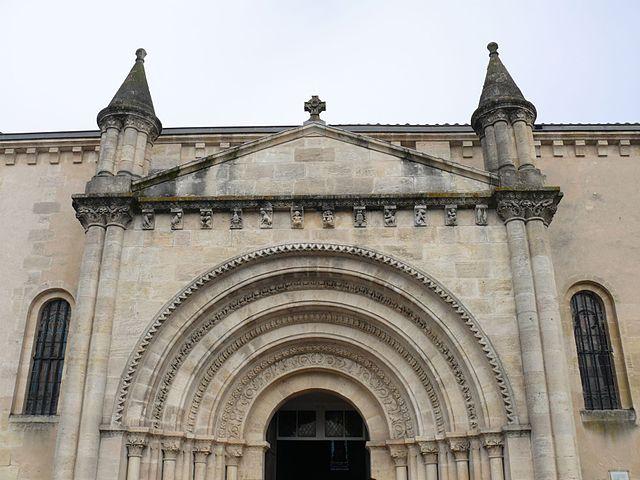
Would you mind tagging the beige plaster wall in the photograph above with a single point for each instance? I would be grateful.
(595, 239)
(41, 248)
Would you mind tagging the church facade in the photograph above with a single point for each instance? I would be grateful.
(445, 302)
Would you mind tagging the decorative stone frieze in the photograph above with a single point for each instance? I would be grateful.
(389, 215)
(451, 215)
(148, 219)
(206, 219)
(103, 211)
(236, 219)
(359, 217)
(481, 214)
(318, 203)
(297, 216)
(527, 204)
(420, 215)
(266, 216)
(177, 220)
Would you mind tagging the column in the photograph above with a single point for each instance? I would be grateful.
(512, 211)
(170, 451)
(475, 459)
(553, 351)
(460, 449)
(92, 218)
(399, 455)
(524, 143)
(412, 463)
(118, 216)
(505, 147)
(147, 157)
(135, 447)
(234, 455)
(493, 444)
(139, 157)
(128, 149)
(443, 461)
(490, 149)
(108, 146)
(429, 451)
(200, 454)
(219, 467)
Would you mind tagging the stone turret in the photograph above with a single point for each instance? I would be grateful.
(129, 126)
(504, 121)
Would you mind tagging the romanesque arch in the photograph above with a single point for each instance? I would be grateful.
(209, 363)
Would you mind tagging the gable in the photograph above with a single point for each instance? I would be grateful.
(315, 160)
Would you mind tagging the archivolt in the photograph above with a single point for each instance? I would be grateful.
(313, 356)
(337, 318)
(318, 248)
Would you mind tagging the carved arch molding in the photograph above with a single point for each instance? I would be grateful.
(401, 424)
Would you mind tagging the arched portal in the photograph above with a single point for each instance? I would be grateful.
(318, 436)
(242, 339)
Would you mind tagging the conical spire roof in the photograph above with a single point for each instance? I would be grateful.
(498, 84)
(133, 96)
(499, 89)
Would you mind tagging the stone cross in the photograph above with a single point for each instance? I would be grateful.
(314, 106)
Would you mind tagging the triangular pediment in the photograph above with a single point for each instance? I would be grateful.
(315, 159)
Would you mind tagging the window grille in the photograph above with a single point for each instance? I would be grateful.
(48, 359)
(595, 357)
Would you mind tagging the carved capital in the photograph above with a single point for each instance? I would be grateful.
(508, 110)
(460, 448)
(120, 215)
(234, 453)
(170, 449)
(111, 122)
(493, 443)
(429, 451)
(103, 211)
(527, 205)
(138, 123)
(135, 444)
(201, 450)
(399, 454)
(521, 115)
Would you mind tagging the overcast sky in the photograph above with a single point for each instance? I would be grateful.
(242, 62)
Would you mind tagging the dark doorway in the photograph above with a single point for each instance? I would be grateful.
(317, 436)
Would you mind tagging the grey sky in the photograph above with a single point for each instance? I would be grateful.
(241, 62)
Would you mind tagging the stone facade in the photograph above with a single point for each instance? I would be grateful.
(425, 273)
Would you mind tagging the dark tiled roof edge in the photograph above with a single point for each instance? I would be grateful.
(357, 128)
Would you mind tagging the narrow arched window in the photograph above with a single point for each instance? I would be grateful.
(48, 358)
(595, 357)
